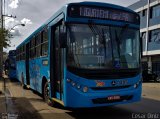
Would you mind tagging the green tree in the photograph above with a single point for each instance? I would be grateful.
(4, 38)
(4, 43)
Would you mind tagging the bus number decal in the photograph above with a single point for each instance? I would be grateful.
(45, 62)
(99, 83)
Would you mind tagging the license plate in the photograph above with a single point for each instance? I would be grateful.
(115, 97)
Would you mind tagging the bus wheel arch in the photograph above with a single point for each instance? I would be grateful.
(45, 91)
(44, 80)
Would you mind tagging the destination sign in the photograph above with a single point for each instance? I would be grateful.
(103, 13)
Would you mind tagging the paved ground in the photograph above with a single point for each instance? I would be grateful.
(2, 99)
(27, 105)
(151, 90)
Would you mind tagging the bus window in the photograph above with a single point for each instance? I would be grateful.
(38, 45)
(32, 48)
(44, 43)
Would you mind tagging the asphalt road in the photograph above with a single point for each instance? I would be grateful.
(24, 104)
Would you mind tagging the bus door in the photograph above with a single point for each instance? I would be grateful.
(56, 64)
(27, 64)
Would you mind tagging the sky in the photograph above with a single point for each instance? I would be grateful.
(33, 13)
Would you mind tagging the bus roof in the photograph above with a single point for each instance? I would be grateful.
(64, 10)
(102, 4)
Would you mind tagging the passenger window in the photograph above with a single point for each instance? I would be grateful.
(44, 44)
(38, 45)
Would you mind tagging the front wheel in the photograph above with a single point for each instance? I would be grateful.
(46, 93)
(157, 79)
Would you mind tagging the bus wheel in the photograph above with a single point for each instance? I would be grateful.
(157, 79)
(46, 94)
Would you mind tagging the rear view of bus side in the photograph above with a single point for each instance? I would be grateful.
(86, 55)
(12, 64)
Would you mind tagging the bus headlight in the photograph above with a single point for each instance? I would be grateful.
(68, 80)
(137, 84)
(78, 86)
(73, 83)
(85, 89)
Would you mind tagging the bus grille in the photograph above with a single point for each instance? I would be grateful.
(110, 88)
(105, 100)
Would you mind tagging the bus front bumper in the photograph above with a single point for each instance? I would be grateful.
(77, 99)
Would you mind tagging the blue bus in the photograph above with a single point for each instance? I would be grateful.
(12, 64)
(86, 55)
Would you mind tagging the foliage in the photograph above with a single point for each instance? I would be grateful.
(4, 38)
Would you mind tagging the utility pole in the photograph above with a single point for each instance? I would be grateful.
(1, 45)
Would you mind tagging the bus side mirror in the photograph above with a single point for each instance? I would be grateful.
(141, 46)
(63, 40)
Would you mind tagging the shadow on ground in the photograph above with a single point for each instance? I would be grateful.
(27, 111)
(119, 111)
(21, 108)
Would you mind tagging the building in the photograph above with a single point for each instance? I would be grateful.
(149, 11)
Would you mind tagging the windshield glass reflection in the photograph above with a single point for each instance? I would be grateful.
(97, 46)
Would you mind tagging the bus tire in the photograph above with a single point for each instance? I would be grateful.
(157, 79)
(46, 94)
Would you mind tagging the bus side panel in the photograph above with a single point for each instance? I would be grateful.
(38, 69)
(44, 72)
(21, 71)
(32, 73)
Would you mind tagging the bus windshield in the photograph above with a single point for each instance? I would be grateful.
(98, 46)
